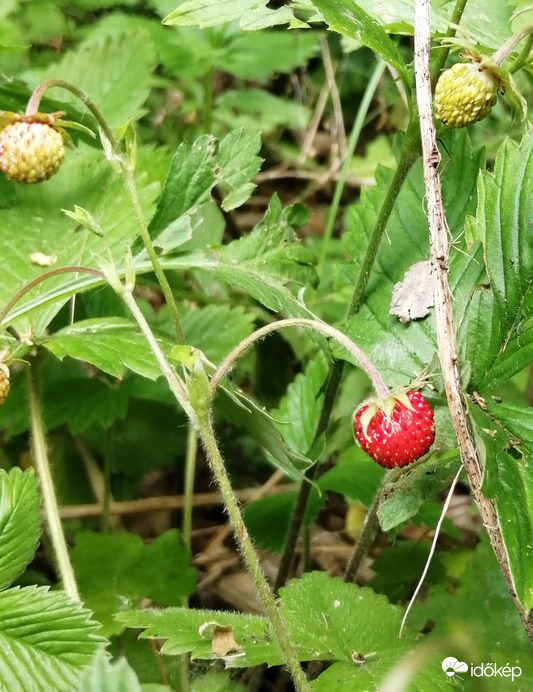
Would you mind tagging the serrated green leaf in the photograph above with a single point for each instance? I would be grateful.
(35, 223)
(413, 488)
(496, 316)
(408, 558)
(480, 603)
(326, 619)
(127, 61)
(488, 26)
(504, 441)
(20, 522)
(104, 676)
(47, 640)
(216, 329)
(215, 681)
(110, 344)
(244, 412)
(299, 410)
(350, 19)
(262, 262)
(401, 350)
(194, 171)
(82, 403)
(258, 56)
(206, 13)
(115, 570)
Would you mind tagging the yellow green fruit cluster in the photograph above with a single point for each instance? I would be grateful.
(4, 383)
(30, 152)
(464, 94)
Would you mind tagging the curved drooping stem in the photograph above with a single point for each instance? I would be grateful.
(377, 381)
(128, 178)
(39, 279)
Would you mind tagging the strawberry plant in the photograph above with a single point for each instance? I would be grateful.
(229, 249)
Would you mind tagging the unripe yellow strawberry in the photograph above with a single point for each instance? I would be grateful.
(4, 383)
(30, 152)
(465, 94)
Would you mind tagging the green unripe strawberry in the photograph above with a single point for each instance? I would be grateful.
(30, 152)
(4, 383)
(465, 94)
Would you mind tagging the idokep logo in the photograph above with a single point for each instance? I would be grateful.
(452, 667)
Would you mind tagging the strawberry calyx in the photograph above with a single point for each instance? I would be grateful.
(374, 404)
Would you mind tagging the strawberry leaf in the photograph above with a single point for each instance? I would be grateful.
(20, 522)
(499, 341)
(505, 439)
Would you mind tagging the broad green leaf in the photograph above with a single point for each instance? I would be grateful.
(350, 19)
(299, 410)
(489, 26)
(504, 439)
(110, 344)
(104, 676)
(347, 677)
(267, 257)
(480, 603)
(259, 56)
(206, 13)
(196, 168)
(35, 223)
(47, 640)
(408, 558)
(326, 618)
(234, 406)
(215, 681)
(82, 403)
(127, 62)
(20, 522)
(257, 109)
(401, 350)
(216, 329)
(415, 487)
(114, 571)
(496, 316)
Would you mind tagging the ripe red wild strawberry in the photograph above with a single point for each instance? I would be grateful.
(396, 431)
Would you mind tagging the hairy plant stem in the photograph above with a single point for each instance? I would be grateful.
(39, 279)
(200, 419)
(409, 154)
(42, 465)
(378, 383)
(446, 340)
(278, 625)
(128, 179)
